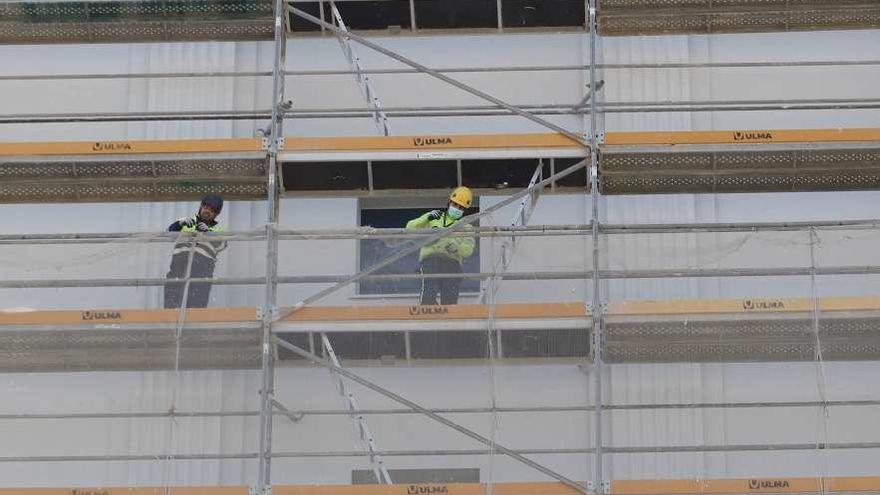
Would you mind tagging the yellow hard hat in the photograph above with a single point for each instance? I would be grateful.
(462, 196)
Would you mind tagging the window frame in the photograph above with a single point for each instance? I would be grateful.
(432, 199)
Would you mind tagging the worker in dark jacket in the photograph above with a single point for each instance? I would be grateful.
(444, 255)
(204, 254)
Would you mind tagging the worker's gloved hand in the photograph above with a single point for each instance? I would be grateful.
(202, 227)
(435, 214)
(187, 222)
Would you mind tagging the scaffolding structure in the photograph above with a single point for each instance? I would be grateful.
(598, 332)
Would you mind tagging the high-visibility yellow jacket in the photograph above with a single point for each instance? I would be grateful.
(208, 249)
(454, 247)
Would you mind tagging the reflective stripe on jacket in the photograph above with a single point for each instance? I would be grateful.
(203, 247)
(452, 247)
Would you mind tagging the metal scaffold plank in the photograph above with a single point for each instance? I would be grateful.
(460, 311)
(537, 488)
(643, 17)
(143, 490)
(744, 136)
(780, 484)
(133, 147)
(126, 316)
(429, 141)
(754, 329)
(748, 305)
(435, 141)
(533, 311)
(135, 21)
(759, 485)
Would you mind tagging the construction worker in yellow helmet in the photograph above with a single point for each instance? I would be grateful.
(444, 256)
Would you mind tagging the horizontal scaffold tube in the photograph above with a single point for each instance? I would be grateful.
(510, 276)
(548, 230)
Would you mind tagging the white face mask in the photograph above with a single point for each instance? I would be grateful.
(454, 212)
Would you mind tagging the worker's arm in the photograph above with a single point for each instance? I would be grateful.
(461, 247)
(466, 246)
(422, 221)
(180, 224)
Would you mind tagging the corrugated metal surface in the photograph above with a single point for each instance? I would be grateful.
(166, 95)
(129, 393)
(646, 85)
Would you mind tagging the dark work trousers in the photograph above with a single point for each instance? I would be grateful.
(199, 292)
(447, 287)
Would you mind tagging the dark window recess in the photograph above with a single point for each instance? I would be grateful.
(497, 174)
(463, 475)
(373, 15)
(545, 343)
(373, 345)
(325, 176)
(542, 13)
(300, 340)
(546, 170)
(448, 344)
(298, 24)
(373, 251)
(416, 174)
(448, 14)
(349, 345)
(443, 344)
(576, 179)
